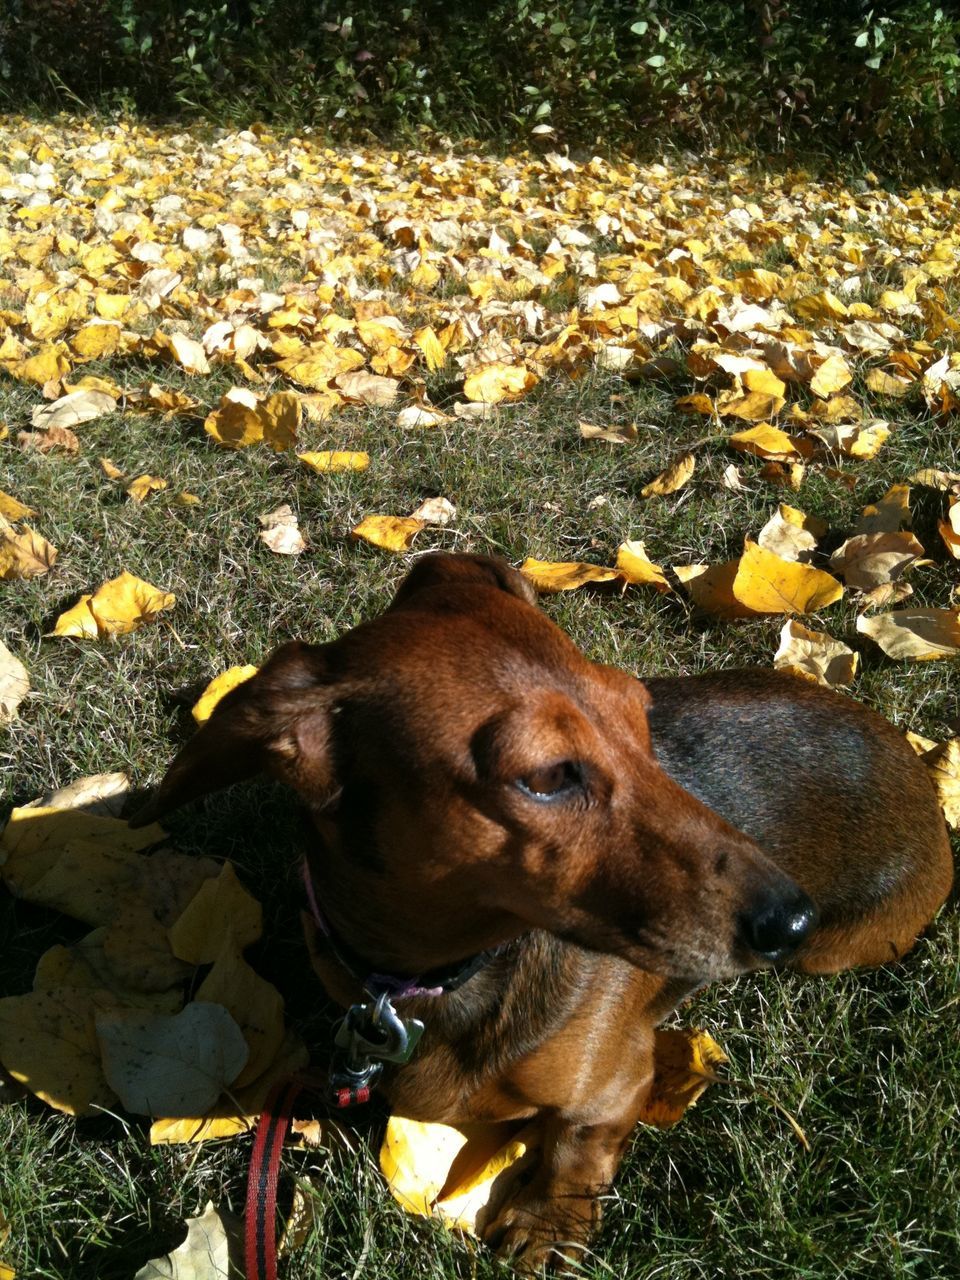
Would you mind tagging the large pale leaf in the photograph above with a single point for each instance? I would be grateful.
(766, 583)
(923, 634)
(213, 1250)
(170, 1065)
(14, 684)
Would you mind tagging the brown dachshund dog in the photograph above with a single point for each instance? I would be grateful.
(478, 788)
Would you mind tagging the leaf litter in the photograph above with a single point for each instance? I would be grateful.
(777, 360)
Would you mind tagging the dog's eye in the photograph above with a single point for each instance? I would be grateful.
(552, 781)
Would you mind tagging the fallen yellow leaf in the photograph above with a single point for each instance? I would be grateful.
(218, 688)
(221, 909)
(14, 684)
(766, 583)
(814, 655)
(336, 460)
(11, 509)
(496, 382)
(922, 634)
(141, 488)
(391, 533)
(122, 605)
(436, 1169)
(549, 575)
(24, 554)
(255, 1005)
(686, 1062)
(832, 376)
(48, 1042)
(765, 441)
(869, 559)
(674, 478)
(280, 415)
(634, 566)
(950, 528)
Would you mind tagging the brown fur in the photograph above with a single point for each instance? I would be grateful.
(674, 860)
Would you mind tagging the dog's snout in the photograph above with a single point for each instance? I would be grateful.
(778, 923)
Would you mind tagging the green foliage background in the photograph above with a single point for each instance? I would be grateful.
(840, 76)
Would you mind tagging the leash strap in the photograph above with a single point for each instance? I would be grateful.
(260, 1239)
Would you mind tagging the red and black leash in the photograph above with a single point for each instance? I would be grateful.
(260, 1230)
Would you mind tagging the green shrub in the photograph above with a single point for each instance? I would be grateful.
(830, 74)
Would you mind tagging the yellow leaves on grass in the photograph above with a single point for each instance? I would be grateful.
(122, 605)
(673, 478)
(24, 553)
(108, 1022)
(814, 655)
(390, 533)
(245, 419)
(549, 576)
(326, 460)
(922, 634)
(496, 382)
(459, 1174)
(759, 582)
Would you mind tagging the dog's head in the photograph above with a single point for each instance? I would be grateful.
(472, 775)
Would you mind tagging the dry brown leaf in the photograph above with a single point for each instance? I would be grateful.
(281, 532)
(674, 478)
(626, 434)
(814, 655)
(49, 440)
(922, 634)
(23, 553)
(791, 535)
(870, 559)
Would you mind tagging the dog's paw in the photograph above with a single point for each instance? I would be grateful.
(536, 1232)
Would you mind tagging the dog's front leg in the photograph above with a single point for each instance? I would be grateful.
(550, 1218)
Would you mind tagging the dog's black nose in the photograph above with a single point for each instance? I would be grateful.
(778, 923)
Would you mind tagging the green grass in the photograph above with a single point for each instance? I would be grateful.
(868, 1064)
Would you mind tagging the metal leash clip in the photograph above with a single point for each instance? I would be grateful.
(369, 1036)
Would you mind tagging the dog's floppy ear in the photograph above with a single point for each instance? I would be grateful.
(440, 569)
(276, 722)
